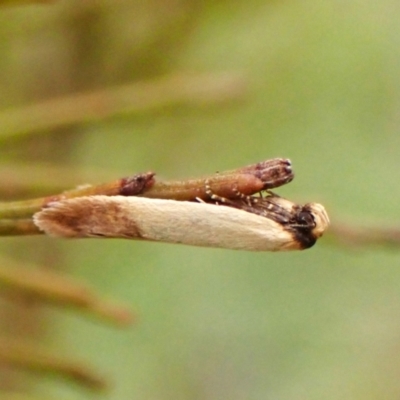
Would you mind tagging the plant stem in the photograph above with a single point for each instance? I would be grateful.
(31, 358)
(46, 286)
(15, 217)
(135, 98)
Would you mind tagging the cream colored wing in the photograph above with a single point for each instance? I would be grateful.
(198, 224)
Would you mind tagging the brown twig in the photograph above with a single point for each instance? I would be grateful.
(32, 358)
(131, 99)
(351, 235)
(128, 186)
(25, 180)
(247, 180)
(50, 287)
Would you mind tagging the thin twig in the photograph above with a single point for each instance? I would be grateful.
(50, 287)
(135, 98)
(25, 180)
(32, 358)
(26, 208)
(247, 180)
(365, 236)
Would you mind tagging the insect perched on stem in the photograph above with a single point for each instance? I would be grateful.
(216, 211)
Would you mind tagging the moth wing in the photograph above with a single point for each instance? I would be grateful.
(198, 224)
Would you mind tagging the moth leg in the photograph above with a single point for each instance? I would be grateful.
(248, 200)
(213, 196)
(271, 193)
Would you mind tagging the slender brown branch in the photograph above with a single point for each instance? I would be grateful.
(31, 358)
(16, 217)
(26, 208)
(246, 180)
(135, 98)
(50, 287)
(23, 180)
(351, 235)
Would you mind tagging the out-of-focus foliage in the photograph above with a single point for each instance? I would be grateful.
(323, 89)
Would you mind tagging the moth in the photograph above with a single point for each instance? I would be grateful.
(252, 223)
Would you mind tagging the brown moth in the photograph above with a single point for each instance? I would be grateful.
(271, 223)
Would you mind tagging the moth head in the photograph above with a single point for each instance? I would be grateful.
(320, 216)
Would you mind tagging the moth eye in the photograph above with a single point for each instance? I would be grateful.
(305, 218)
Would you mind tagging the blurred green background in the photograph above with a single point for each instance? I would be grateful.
(316, 82)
